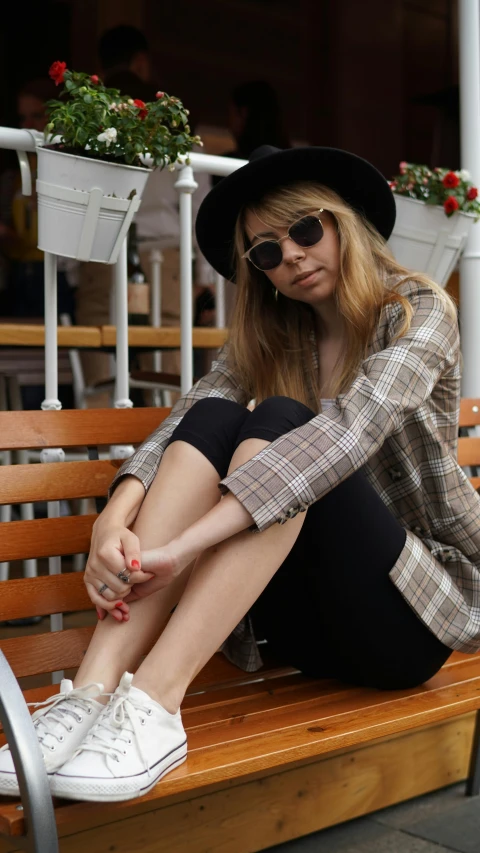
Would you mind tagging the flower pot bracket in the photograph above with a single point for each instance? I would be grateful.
(94, 200)
(25, 172)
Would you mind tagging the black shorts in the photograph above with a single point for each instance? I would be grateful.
(331, 609)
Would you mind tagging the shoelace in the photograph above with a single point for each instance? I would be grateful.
(119, 718)
(47, 718)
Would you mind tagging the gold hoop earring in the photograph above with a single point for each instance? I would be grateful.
(275, 294)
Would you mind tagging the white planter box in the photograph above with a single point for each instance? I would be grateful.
(85, 206)
(426, 240)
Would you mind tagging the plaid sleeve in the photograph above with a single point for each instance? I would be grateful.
(300, 467)
(219, 382)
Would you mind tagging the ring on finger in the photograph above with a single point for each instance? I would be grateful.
(123, 577)
(102, 589)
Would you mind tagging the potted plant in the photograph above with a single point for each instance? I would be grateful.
(91, 171)
(435, 210)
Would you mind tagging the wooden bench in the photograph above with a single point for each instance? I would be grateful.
(273, 755)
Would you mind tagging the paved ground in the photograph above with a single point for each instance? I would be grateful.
(436, 823)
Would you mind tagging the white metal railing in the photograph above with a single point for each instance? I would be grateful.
(23, 141)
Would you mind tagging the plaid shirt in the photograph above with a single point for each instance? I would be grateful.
(399, 422)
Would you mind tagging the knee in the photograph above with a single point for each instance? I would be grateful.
(281, 410)
(214, 412)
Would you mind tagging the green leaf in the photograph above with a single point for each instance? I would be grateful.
(82, 136)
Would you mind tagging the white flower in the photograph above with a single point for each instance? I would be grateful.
(464, 175)
(109, 135)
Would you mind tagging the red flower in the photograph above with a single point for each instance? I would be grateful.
(392, 185)
(472, 193)
(56, 72)
(451, 205)
(94, 79)
(403, 167)
(160, 95)
(141, 106)
(451, 180)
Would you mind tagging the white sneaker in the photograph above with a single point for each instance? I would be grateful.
(61, 726)
(133, 744)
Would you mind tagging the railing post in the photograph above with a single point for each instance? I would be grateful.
(186, 185)
(156, 261)
(469, 68)
(51, 335)
(220, 312)
(122, 399)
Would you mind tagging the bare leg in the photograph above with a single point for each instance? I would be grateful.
(224, 583)
(185, 489)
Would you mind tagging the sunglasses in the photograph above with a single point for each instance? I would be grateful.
(305, 232)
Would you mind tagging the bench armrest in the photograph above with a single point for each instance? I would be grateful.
(28, 760)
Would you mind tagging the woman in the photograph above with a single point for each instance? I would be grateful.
(371, 573)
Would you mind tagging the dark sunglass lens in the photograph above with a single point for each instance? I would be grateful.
(307, 231)
(267, 255)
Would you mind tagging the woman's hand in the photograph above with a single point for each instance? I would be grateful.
(163, 565)
(224, 520)
(114, 549)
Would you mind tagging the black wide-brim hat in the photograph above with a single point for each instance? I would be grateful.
(359, 183)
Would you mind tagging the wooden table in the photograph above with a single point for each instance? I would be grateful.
(33, 335)
(166, 337)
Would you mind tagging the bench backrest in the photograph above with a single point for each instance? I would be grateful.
(469, 447)
(50, 537)
(46, 652)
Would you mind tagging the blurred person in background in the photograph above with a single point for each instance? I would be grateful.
(125, 62)
(24, 270)
(255, 118)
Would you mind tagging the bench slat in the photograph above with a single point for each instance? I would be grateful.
(56, 481)
(42, 596)
(222, 676)
(271, 713)
(46, 537)
(78, 427)
(196, 697)
(339, 706)
(39, 653)
(469, 412)
(468, 451)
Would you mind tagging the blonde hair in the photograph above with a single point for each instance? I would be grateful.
(270, 341)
